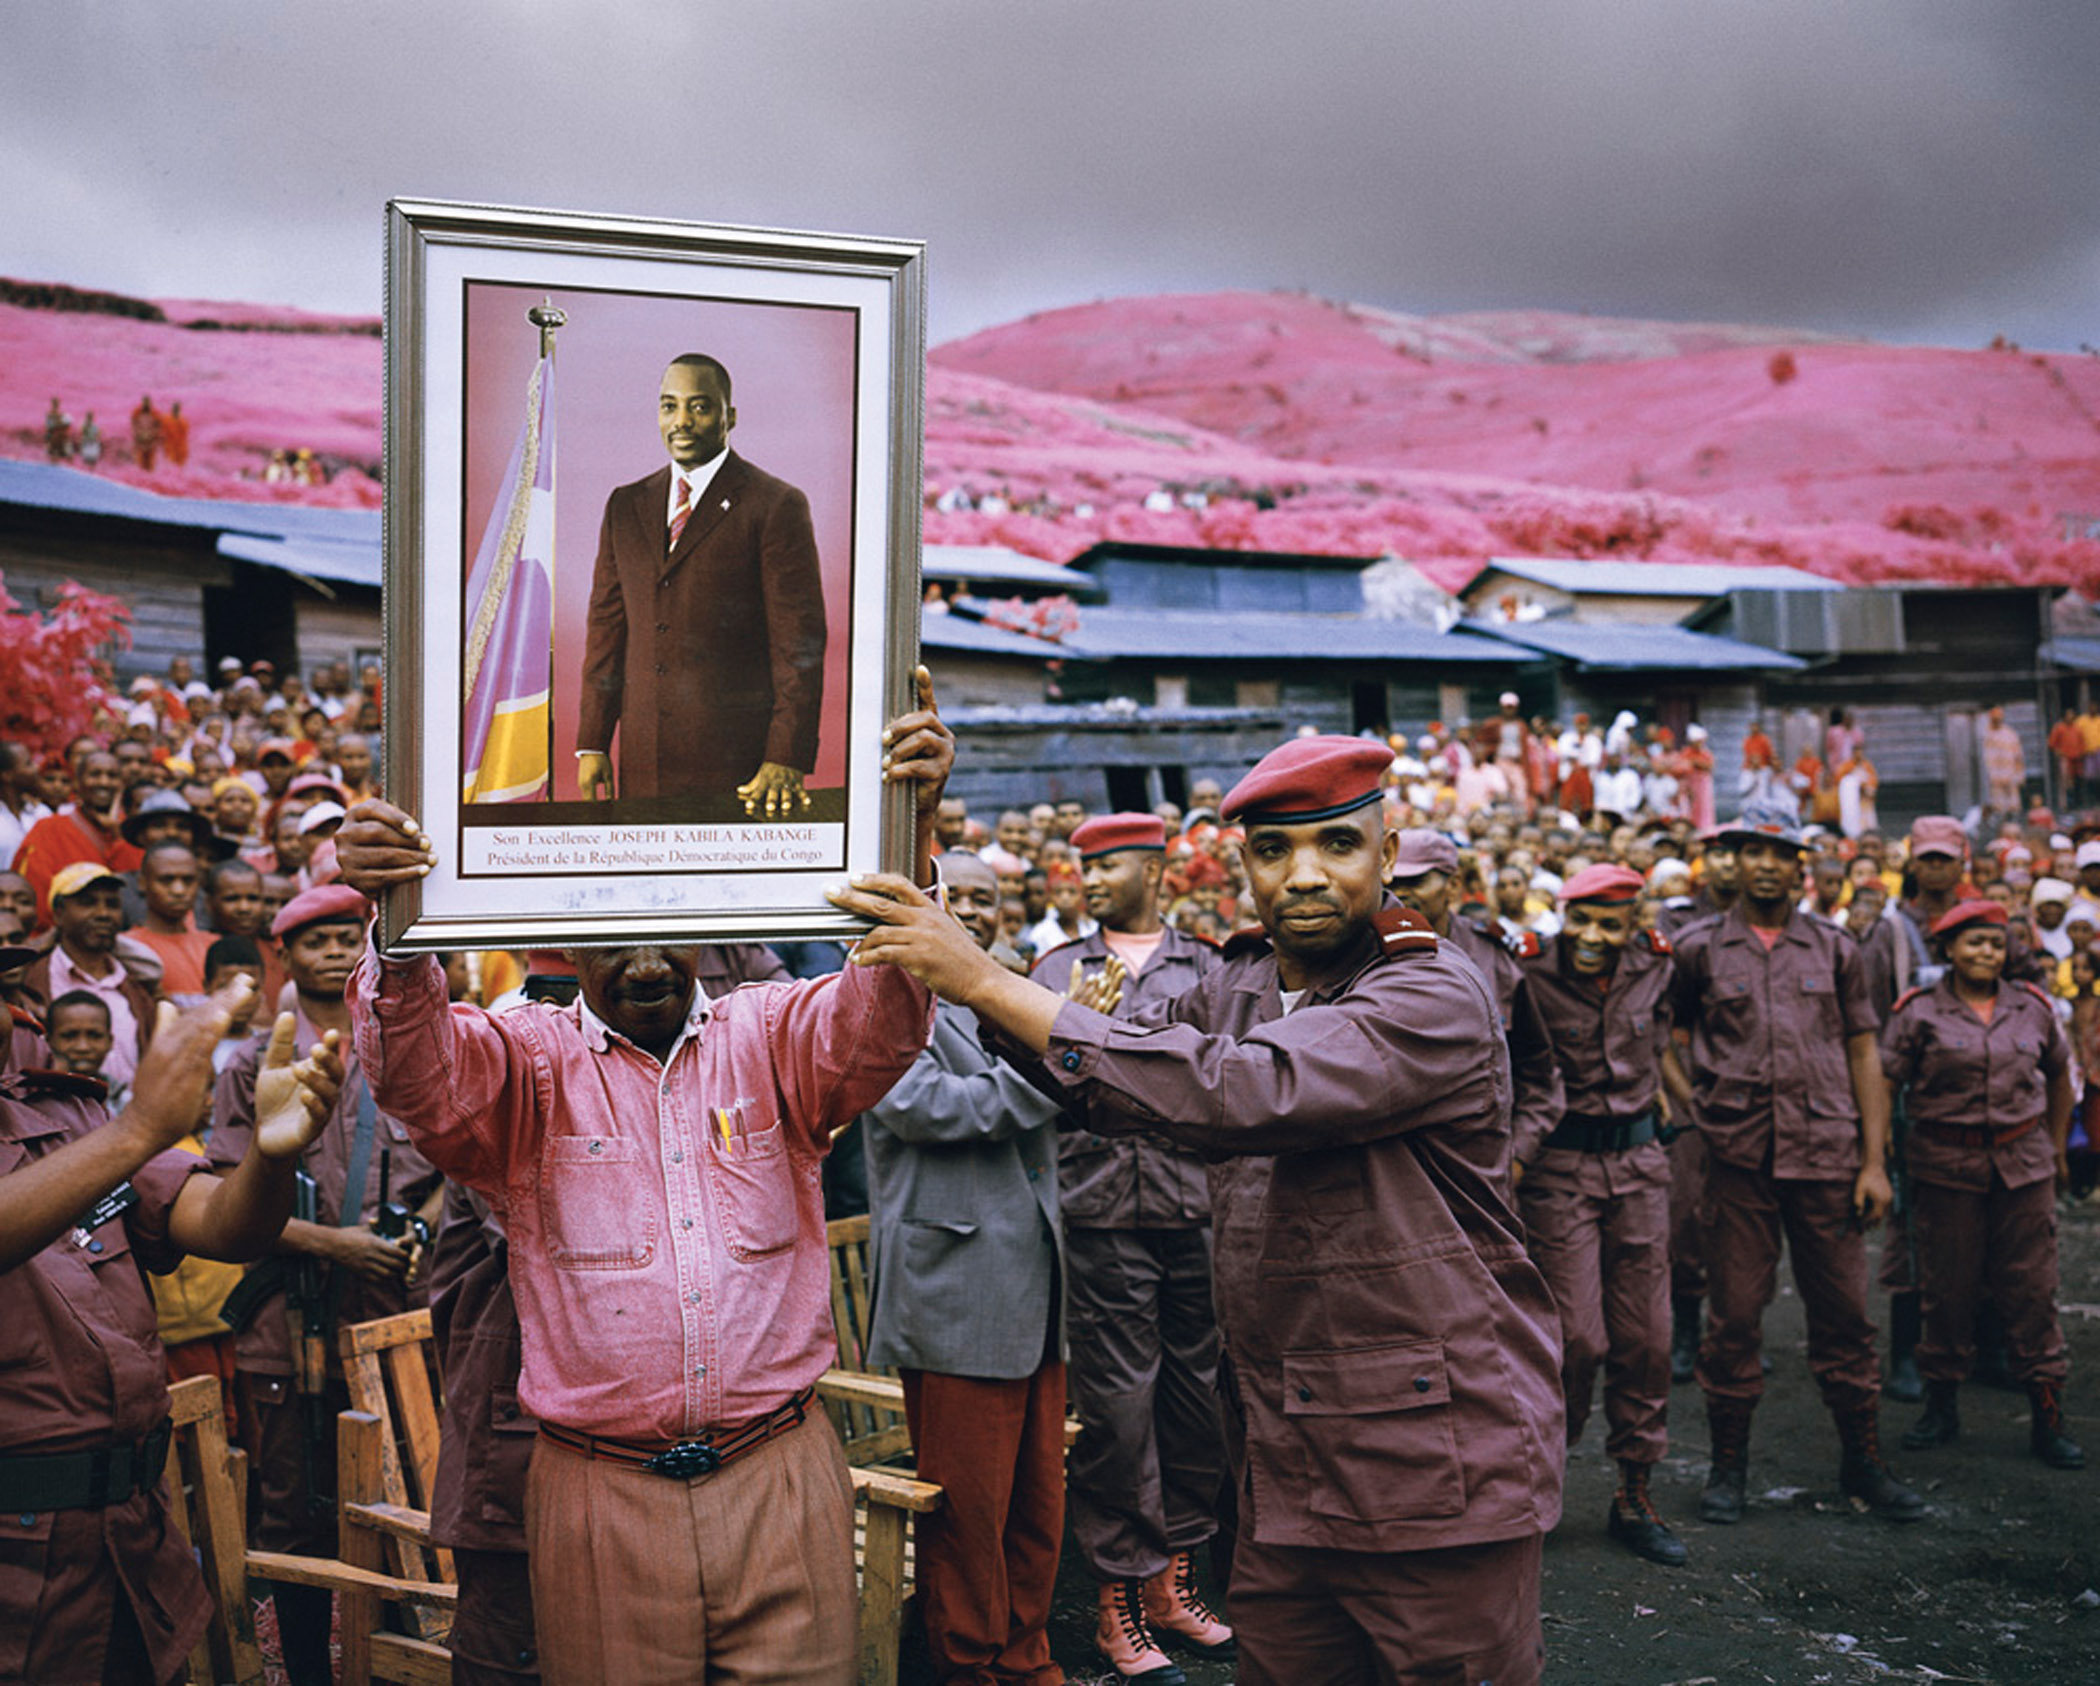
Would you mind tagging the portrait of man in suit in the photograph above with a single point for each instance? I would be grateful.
(704, 643)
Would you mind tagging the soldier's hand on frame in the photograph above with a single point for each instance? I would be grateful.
(1872, 1196)
(776, 789)
(380, 846)
(293, 1098)
(594, 776)
(917, 748)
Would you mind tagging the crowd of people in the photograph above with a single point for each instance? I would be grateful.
(1326, 1145)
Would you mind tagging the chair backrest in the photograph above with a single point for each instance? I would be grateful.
(205, 1475)
(871, 1432)
(848, 1238)
(387, 1364)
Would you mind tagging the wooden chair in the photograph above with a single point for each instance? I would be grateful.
(207, 1477)
(211, 1519)
(386, 1363)
(866, 1404)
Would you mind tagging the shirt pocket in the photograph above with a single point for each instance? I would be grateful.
(752, 1184)
(596, 1206)
(1375, 1423)
(25, 1550)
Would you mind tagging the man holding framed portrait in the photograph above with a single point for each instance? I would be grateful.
(654, 1156)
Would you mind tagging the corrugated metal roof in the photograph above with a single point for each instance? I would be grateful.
(1650, 579)
(973, 637)
(1591, 646)
(991, 564)
(319, 559)
(2080, 655)
(1189, 635)
(46, 486)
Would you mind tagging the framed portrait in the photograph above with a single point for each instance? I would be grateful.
(651, 582)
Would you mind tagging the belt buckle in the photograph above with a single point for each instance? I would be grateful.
(685, 1460)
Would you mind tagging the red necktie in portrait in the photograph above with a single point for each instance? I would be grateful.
(679, 511)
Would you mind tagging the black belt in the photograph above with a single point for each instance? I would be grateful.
(1578, 1134)
(90, 1480)
(1974, 1135)
(684, 1459)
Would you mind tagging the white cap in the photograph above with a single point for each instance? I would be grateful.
(1509, 699)
(2051, 890)
(320, 814)
(2088, 854)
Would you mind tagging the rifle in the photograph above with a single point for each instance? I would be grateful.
(310, 1311)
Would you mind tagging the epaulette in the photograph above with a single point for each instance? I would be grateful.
(41, 1080)
(1657, 942)
(1402, 931)
(2040, 994)
(1906, 998)
(26, 1019)
(1520, 942)
(1244, 942)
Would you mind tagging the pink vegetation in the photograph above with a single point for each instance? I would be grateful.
(1283, 422)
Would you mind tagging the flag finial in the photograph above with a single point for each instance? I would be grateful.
(546, 318)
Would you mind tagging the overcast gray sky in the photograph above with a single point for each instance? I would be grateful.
(1919, 171)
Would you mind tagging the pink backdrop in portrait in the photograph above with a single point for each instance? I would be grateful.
(792, 370)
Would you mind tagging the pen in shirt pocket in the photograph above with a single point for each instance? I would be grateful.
(731, 1121)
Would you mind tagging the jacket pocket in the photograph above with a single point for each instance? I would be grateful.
(753, 1188)
(1376, 1426)
(595, 1204)
(25, 1549)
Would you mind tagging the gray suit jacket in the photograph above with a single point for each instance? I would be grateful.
(965, 1247)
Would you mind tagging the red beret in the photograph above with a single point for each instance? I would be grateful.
(1110, 832)
(1605, 882)
(1422, 850)
(1938, 834)
(323, 902)
(1974, 912)
(1307, 779)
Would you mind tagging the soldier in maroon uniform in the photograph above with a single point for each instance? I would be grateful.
(99, 1585)
(1390, 1357)
(1987, 1069)
(1595, 1191)
(1788, 1092)
(1424, 875)
(1145, 1475)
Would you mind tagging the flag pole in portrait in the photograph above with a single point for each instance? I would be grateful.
(508, 668)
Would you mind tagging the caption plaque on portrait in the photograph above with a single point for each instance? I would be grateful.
(651, 583)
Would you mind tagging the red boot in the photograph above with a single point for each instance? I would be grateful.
(1126, 1640)
(1174, 1606)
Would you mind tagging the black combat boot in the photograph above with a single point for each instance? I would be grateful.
(1634, 1523)
(1728, 1426)
(2054, 1447)
(1861, 1473)
(1684, 1337)
(1905, 1319)
(1941, 1423)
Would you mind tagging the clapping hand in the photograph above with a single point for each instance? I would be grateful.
(294, 1098)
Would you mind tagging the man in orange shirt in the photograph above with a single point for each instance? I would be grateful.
(168, 880)
(87, 831)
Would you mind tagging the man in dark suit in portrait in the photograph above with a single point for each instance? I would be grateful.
(705, 642)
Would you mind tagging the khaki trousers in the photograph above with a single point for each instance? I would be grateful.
(743, 1576)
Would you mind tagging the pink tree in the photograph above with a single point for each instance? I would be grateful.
(53, 680)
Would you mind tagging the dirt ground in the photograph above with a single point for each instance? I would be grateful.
(2000, 1584)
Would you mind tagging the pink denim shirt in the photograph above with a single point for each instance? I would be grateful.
(666, 1281)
